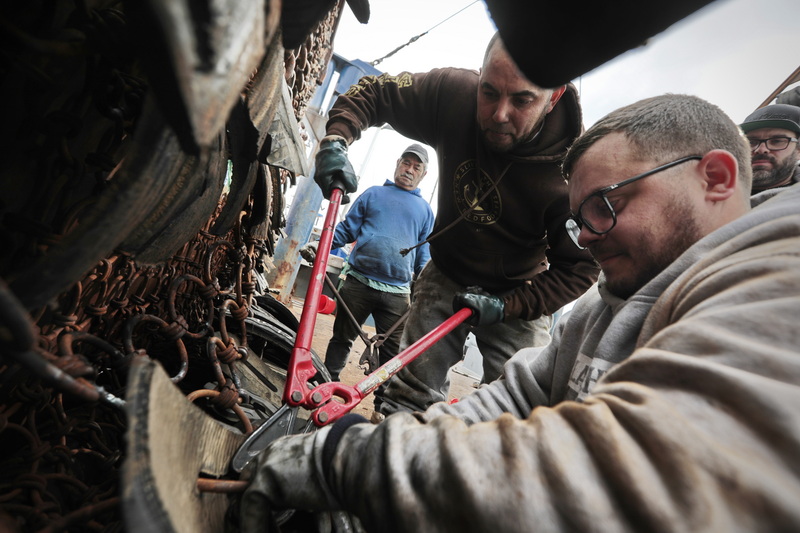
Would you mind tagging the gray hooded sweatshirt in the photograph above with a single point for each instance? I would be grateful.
(677, 409)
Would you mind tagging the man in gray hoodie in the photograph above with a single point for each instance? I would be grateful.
(668, 399)
(773, 133)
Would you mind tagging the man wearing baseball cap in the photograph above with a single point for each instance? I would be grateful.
(773, 132)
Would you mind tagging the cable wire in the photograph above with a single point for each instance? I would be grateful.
(416, 37)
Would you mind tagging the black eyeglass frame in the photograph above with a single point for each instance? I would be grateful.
(766, 142)
(576, 222)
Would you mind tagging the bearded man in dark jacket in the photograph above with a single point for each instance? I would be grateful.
(499, 245)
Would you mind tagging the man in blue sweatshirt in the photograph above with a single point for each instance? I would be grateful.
(382, 221)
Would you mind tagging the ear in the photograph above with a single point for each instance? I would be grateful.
(720, 174)
(558, 92)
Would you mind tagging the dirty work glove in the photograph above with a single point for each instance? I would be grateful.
(487, 308)
(287, 475)
(332, 165)
(309, 251)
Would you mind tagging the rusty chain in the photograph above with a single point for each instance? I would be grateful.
(63, 366)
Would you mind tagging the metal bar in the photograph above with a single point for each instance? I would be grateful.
(390, 368)
(301, 368)
(349, 396)
(225, 486)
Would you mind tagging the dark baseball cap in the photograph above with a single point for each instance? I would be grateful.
(782, 116)
(419, 151)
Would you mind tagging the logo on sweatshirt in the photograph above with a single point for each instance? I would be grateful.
(403, 79)
(585, 373)
(470, 186)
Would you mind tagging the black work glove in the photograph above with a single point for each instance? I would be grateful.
(287, 476)
(486, 308)
(332, 166)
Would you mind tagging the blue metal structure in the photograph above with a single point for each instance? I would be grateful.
(308, 197)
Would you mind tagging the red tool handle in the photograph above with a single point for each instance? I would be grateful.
(351, 395)
(301, 368)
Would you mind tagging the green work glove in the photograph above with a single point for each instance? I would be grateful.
(309, 251)
(332, 166)
(486, 308)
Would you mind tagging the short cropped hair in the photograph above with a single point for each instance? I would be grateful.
(495, 40)
(667, 127)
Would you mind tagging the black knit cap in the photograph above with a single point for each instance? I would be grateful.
(782, 116)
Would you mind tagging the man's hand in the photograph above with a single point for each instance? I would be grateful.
(486, 308)
(332, 167)
(285, 477)
(309, 251)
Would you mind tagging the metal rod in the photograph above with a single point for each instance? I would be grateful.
(393, 366)
(227, 486)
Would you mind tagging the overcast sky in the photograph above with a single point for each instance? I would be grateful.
(733, 53)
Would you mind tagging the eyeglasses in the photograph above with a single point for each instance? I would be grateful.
(596, 212)
(773, 144)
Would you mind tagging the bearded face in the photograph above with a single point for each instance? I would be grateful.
(511, 109)
(769, 171)
(772, 168)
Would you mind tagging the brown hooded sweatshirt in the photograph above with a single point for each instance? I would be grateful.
(514, 242)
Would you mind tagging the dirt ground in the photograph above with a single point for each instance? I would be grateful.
(460, 384)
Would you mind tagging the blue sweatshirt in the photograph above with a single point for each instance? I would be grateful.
(382, 221)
